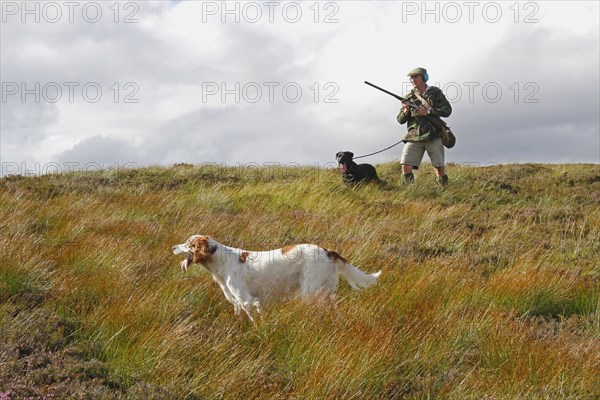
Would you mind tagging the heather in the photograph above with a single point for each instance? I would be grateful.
(489, 288)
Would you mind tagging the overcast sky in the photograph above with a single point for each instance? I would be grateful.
(88, 84)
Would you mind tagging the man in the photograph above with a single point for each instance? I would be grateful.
(423, 135)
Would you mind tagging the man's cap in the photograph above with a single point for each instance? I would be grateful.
(417, 71)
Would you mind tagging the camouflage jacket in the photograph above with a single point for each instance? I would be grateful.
(420, 129)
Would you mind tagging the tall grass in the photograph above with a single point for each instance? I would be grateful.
(490, 287)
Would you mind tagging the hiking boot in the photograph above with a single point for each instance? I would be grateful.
(442, 180)
(408, 179)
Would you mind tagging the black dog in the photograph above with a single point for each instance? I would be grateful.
(353, 173)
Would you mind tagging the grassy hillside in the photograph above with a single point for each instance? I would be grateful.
(489, 289)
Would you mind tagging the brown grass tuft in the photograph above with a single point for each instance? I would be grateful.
(490, 287)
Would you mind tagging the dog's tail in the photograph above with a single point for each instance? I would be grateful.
(357, 278)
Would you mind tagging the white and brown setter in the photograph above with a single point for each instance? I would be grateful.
(251, 278)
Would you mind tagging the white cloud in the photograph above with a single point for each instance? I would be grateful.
(175, 52)
(103, 150)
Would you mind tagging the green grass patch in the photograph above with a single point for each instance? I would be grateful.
(489, 287)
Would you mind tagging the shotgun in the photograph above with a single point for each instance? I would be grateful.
(402, 99)
(436, 121)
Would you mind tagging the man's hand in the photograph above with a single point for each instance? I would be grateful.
(423, 111)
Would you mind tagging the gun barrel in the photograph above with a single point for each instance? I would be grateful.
(384, 91)
(402, 99)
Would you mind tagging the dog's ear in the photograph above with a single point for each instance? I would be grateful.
(351, 154)
(339, 154)
(202, 249)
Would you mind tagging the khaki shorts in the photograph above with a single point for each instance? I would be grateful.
(413, 153)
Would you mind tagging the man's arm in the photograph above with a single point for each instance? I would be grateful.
(441, 106)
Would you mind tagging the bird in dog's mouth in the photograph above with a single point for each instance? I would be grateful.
(186, 263)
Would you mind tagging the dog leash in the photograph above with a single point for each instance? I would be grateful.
(380, 151)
